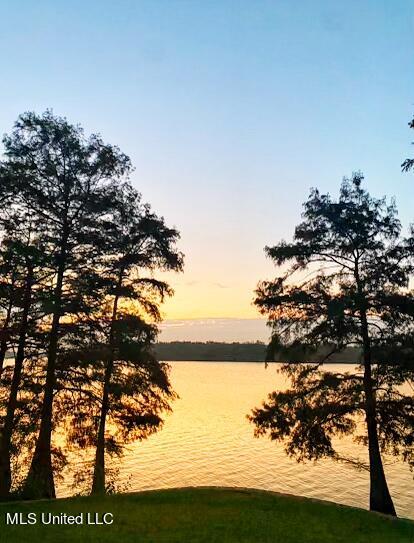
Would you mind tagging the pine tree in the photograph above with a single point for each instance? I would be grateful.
(65, 180)
(348, 285)
(137, 242)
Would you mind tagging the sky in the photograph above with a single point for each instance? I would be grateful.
(230, 111)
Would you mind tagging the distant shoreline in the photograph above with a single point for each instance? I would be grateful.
(211, 351)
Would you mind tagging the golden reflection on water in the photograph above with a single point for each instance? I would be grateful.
(207, 440)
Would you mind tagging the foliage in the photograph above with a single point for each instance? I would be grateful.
(347, 286)
(408, 163)
(75, 238)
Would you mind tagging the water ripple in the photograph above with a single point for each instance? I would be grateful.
(207, 440)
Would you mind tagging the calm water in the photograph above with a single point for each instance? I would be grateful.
(207, 440)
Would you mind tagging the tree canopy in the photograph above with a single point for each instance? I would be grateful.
(344, 281)
(76, 241)
(408, 163)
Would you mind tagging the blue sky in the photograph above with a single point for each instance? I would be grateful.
(230, 112)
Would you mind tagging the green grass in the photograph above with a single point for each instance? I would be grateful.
(196, 515)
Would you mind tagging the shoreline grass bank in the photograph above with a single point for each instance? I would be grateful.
(205, 515)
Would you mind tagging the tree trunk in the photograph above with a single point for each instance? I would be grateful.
(379, 497)
(4, 342)
(98, 483)
(7, 432)
(40, 482)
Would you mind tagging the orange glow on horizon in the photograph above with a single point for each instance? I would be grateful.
(210, 301)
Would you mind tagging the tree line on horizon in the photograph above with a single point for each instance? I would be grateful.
(79, 303)
(344, 280)
(256, 351)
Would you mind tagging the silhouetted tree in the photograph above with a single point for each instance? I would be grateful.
(26, 255)
(408, 163)
(138, 242)
(139, 391)
(65, 179)
(348, 285)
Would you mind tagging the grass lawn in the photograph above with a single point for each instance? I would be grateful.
(196, 515)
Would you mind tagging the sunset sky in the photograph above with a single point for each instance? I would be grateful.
(230, 112)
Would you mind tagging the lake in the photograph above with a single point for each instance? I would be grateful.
(207, 440)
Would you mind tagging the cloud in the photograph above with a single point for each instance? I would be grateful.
(191, 283)
(194, 283)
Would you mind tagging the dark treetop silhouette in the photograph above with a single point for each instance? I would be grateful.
(107, 371)
(347, 286)
(135, 388)
(76, 193)
(408, 163)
